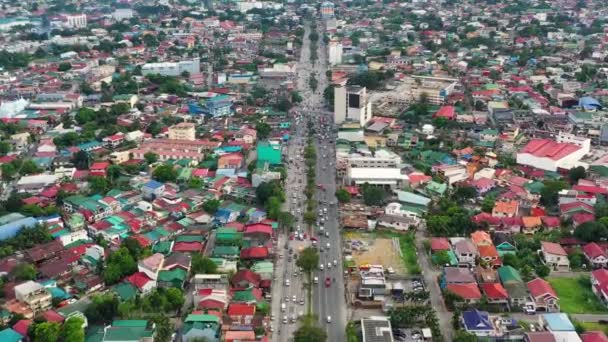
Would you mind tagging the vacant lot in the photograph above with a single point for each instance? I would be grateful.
(372, 249)
(575, 295)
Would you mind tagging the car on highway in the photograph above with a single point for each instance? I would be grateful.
(321, 267)
(335, 262)
(328, 245)
(326, 234)
(328, 319)
(294, 299)
(328, 265)
(286, 282)
(327, 282)
(316, 280)
(285, 320)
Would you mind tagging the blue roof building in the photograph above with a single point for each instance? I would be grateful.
(11, 224)
(589, 103)
(218, 106)
(477, 322)
(10, 335)
(557, 322)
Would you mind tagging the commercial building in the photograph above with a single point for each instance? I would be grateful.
(217, 106)
(172, 68)
(563, 153)
(335, 52)
(327, 10)
(77, 21)
(391, 177)
(380, 159)
(376, 329)
(183, 131)
(437, 89)
(167, 149)
(351, 104)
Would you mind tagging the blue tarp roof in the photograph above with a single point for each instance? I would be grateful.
(589, 103)
(558, 322)
(152, 184)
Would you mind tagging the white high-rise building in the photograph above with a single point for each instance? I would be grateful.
(351, 104)
(172, 68)
(76, 21)
(335, 52)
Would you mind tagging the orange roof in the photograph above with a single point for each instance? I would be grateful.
(487, 251)
(480, 237)
(508, 207)
(531, 221)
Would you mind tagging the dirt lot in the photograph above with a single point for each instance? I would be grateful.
(370, 249)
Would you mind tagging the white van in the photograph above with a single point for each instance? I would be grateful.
(283, 307)
(286, 282)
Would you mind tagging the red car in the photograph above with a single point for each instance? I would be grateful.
(312, 238)
(327, 282)
(291, 237)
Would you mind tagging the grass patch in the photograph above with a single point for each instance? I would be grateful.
(593, 326)
(575, 295)
(408, 250)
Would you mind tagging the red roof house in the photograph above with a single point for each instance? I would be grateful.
(495, 292)
(595, 254)
(543, 295)
(254, 253)
(448, 112)
(99, 169)
(440, 244)
(468, 292)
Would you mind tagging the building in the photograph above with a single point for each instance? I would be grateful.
(437, 89)
(217, 106)
(167, 149)
(129, 331)
(183, 131)
(121, 14)
(380, 159)
(351, 104)
(376, 329)
(269, 154)
(11, 224)
(563, 153)
(388, 177)
(327, 10)
(76, 21)
(172, 68)
(554, 256)
(335, 52)
(36, 296)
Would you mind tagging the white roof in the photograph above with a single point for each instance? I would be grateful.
(28, 287)
(37, 179)
(376, 173)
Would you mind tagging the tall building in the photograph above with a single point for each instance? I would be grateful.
(182, 131)
(172, 68)
(77, 21)
(335, 52)
(351, 104)
(327, 10)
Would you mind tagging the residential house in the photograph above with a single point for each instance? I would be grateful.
(543, 296)
(512, 282)
(505, 208)
(554, 256)
(456, 275)
(241, 314)
(129, 331)
(477, 323)
(495, 293)
(151, 265)
(153, 189)
(599, 284)
(201, 326)
(465, 251)
(595, 255)
(34, 295)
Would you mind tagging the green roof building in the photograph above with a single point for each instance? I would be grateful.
(173, 278)
(128, 331)
(125, 291)
(229, 252)
(268, 154)
(204, 327)
(228, 237)
(508, 274)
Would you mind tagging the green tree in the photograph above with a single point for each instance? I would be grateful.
(441, 258)
(98, 184)
(310, 217)
(65, 66)
(373, 195)
(308, 259)
(591, 231)
(487, 205)
(342, 195)
(263, 130)
(46, 332)
(463, 336)
(577, 173)
(309, 331)
(273, 207)
(24, 272)
(154, 128)
(8, 171)
(211, 206)
(195, 183)
(81, 160)
(465, 192)
(73, 330)
(114, 172)
(5, 147)
(165, 173)
(175, 298)
(151, 157)
(549, 193)
(203, 265)
(286, 219)
(163, 328)
(268, 189)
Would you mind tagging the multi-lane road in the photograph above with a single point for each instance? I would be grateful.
(328, 303)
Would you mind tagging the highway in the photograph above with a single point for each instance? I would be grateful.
(327, 301)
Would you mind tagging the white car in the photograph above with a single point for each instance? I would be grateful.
(321, 267)
(328, 245)
(294, 299)
(335, 262)
(329, 265)
(328, 319)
